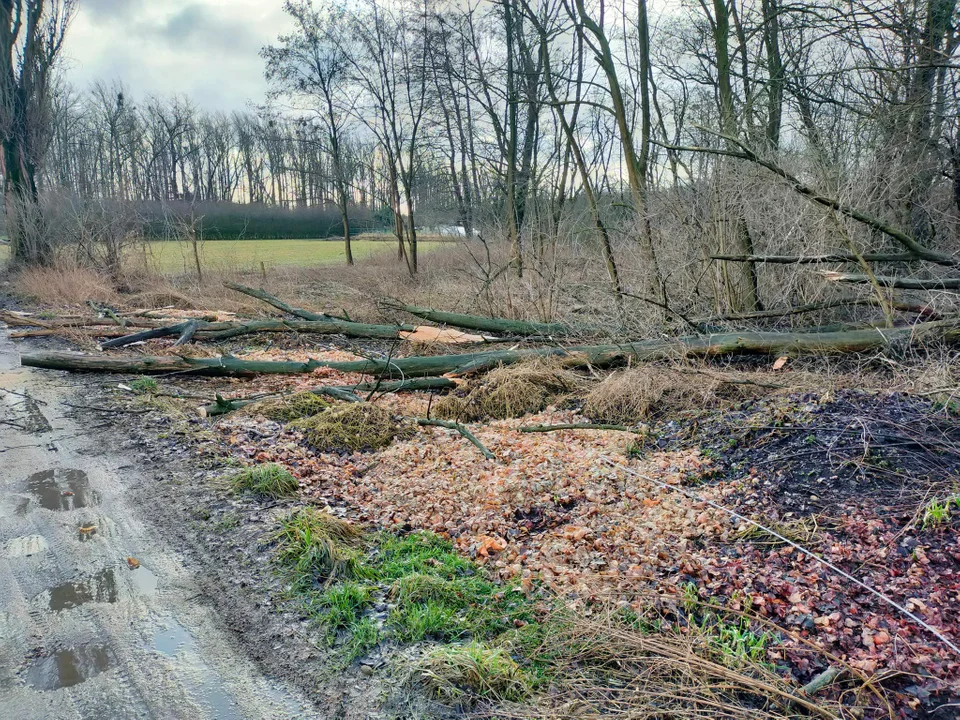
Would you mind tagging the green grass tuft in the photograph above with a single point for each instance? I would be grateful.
(344, 604)
(413, 622)
(364, 636)
(270, 479)
(145, 386)
(318, 547)
(455, 673)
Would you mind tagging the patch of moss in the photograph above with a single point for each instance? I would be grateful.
(292, 407)
(352, 427)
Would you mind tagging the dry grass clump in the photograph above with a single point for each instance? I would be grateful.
(291, 407)
(352, 427)
(637, 394)
(604, 668)
(63, 285)
(163, 297)
(512, 391)
(455, 673)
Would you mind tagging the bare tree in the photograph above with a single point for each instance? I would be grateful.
(31, 38)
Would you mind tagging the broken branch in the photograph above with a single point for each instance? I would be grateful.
(450, 425)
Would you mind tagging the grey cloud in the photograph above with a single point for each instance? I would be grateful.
(111, 9)
(195, 25)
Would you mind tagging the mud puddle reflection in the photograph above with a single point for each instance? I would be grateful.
(60, 490)
(175, 641)
(107, 586)
(68, 667)
(101, 588)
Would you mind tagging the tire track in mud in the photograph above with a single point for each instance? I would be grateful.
(98, 616)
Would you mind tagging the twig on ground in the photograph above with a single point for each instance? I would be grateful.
(822, 680)
(579, 426)
(450, 425)
(104, 409)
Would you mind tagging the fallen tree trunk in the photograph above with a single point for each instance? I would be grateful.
(114, 332)
(757, 342)
(214, 332)
(222, 406)
(160, 332)
(17, 320)
(818, 259)
(922, 310)
(578, 426)
(895, 282)
(189, 331)
(485, 324)
(319, 327)
(275, 302)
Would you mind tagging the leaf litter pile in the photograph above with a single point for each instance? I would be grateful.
(867, 481)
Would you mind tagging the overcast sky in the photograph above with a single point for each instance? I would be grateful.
(206, 49)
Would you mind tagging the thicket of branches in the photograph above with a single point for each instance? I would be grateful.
(702, 151)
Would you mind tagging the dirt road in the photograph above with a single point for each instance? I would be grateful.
(99, 618)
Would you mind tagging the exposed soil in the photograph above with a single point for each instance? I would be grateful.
(100, 615)
(812, 451)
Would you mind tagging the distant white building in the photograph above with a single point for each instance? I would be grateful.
(449, 231)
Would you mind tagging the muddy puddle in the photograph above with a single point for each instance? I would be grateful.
(59, 490)
(173, 640)
(107, 586)
(68, 667)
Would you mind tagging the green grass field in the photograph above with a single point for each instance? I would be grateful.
(171, 258)
(175, 257)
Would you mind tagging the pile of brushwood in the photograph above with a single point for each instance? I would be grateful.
(526, 339)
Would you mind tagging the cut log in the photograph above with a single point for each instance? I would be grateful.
(769, 343)
(484, 324)
(895, 282)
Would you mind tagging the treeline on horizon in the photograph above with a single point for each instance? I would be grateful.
(252, 221)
